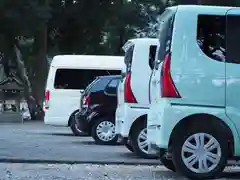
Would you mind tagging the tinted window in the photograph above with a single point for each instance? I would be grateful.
(165, 35)
(233, 39)
(91, 85)
(99, 85)
(211, 36)
(79, 78)
(112, 87)
(128, 57)
(152, 54)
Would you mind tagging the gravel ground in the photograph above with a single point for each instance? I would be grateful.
(93, 172)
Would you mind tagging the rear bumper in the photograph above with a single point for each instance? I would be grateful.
(126, 114)
(56, 121)
(82, 121)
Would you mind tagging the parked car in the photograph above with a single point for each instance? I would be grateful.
(69, 75)
(133, 101)
(194, 113)
(97, 112)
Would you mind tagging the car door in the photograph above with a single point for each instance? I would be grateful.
(111, 95)
(233, 66)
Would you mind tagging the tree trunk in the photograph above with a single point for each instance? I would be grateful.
(40, 67)
(121, 29)
(22, 72)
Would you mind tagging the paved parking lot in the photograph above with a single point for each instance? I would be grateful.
(37, 143)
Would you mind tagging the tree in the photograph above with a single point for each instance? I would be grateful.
(210, 2)
(21, 21)
(130, 19)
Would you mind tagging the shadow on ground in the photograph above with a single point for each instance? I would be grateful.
(93, 143)
(61, 134)
(131, 155)
(231, 175)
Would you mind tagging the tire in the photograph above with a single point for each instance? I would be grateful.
(99, 137)
(135, 137)
(129, 147)
(168, 163)
(213, 170)
(74, 127)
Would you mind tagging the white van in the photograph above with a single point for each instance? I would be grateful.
(133, 101)
(68, 76)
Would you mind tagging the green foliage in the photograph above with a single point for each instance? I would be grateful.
(210, 2)
(22, 17)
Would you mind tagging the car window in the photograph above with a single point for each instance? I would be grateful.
(165, 35)
(211, 36)
(233, 39)
(91, 85)
(152, 54)
(99, 85)
(112, 87)
(79, 78)
(128, 57)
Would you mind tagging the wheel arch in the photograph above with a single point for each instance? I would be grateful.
(142, 118)
(70, 117)
(208, 119)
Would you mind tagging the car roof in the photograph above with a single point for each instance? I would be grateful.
(140, 42)
(109, 76)
(145, 40)
(201, 8)
(88, 61)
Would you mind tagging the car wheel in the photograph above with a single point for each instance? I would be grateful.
(75, 128)
(140, 143)
(168, 163)
(129, 146)
(200, 152)
(103, 132)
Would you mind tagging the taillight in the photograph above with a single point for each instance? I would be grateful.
(167, 85)
(128, 94)
(86, 100)
(47, 98)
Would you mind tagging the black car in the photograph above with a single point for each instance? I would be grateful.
(97, 110)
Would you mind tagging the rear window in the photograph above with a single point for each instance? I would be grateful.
(128, 57)
(165, 34)
(77, 79)
(91, 85)
(99, 85)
